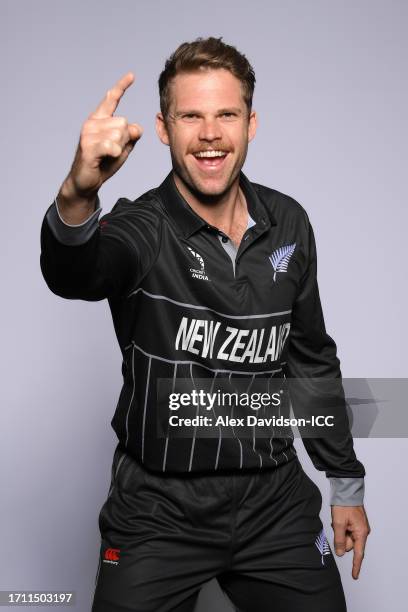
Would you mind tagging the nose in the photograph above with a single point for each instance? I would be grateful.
(209, 129)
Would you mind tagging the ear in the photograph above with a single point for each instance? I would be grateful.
(161, 129)
(252, 125)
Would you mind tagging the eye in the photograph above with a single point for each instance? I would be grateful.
(189, 116)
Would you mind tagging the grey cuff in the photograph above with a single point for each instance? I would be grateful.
(346, 491)
(72, 235)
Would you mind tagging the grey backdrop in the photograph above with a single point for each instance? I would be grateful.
(332, 97)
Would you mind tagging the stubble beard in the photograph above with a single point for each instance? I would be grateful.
(207, 198)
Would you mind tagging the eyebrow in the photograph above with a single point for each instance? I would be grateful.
(232, 109)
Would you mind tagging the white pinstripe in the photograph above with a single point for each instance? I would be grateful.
(131, 399)
(167, 437)
(145, 405)
(216, 371)
(241, 455)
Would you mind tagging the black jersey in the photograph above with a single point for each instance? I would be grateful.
(183, 309)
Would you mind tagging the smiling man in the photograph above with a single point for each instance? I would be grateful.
(209, 277)
(208, 127)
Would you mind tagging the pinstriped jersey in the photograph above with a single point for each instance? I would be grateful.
(184, 310)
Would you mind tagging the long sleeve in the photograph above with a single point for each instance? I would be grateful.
(70, 234)
(98, 259)
(312, 354)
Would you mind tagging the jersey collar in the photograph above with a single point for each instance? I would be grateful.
(190, 222)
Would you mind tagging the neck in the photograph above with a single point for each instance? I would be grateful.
(225, 211)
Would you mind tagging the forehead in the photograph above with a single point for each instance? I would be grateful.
(218, 88)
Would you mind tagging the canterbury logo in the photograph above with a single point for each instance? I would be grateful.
(199, 271)
(111, 556)
(280, 258)
(322, 545)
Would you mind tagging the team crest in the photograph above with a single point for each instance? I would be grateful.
(280, 258)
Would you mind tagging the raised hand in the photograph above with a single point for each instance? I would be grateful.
(105, 143)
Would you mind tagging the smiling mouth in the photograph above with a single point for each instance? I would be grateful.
(210, 160)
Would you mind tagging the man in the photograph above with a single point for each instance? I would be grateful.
(208, 276)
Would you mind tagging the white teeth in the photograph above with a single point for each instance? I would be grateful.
(210, 154)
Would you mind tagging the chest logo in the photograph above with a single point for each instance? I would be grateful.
(280, 258)
(199, 270)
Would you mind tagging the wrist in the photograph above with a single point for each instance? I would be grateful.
(73, 207)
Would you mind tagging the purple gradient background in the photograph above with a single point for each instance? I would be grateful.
(331, 96)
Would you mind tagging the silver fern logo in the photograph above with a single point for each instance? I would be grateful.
(322, 545)
(280, 258)
(198, 272)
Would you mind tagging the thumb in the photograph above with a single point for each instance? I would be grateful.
(127, 149)
(349, 543)
(120, 159)
(135, 131)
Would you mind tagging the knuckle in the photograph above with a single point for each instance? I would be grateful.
(338, 524)
(106, 144)
(115, 134)
(122, 122)
(361, 532)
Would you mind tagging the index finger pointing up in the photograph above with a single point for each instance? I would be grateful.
(108, 105)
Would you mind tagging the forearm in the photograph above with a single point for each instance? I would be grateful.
(77, 262)
(71, 259)
(74, 208)
(72, 234)
(98, 259)
(315, 382)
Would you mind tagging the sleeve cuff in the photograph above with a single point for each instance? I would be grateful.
(72, 235)
(346, 491)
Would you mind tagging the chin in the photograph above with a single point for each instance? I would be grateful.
(210, 190)
(201, 186)
(211, 186)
